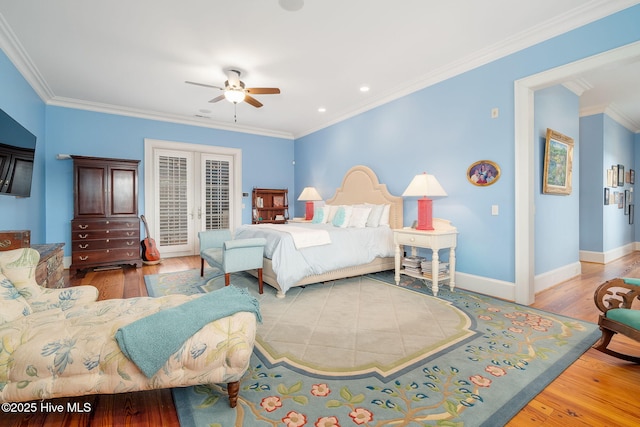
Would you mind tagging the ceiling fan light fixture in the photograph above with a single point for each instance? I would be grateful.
(234, 95)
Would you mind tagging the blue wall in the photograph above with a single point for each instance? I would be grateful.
(266, 161)
(443, 129)
(557, 216)
(618, 149)
(22, 103)
(592, 178)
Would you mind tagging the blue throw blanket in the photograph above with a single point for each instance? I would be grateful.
(150, 341)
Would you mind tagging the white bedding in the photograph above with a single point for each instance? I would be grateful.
(349, 247)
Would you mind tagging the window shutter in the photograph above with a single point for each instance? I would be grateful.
(173, 201)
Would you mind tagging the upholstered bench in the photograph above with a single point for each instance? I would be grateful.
(68, 347)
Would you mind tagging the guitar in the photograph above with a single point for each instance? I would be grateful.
(149, 249)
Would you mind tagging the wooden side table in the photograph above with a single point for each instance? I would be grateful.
(444, 236)
(49, 272)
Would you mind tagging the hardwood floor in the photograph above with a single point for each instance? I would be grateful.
(596, 390)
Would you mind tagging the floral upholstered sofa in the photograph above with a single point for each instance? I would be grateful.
(61, 342)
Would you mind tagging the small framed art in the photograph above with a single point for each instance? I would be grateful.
(483, 173)
(606, 196)
(620, 176)
(558, 163)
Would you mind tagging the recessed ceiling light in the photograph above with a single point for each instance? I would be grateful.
(205, 111)
(364, 88)
(322, 110)
(291, 5)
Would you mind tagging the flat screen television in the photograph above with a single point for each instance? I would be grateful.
(17, 152)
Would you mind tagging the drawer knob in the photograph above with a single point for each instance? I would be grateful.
(84, 258)
(130, 233)
(82, 226)
(413, 239)
(83, 236)
(85, 246)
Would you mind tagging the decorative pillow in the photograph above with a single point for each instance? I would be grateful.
(359, 216)
(332, 212)
(342, 217)
(375, 215)
(320, 215)
(13, 304)
(384, 218)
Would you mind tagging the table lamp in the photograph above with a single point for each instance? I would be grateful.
(309, 195)
(424, 186)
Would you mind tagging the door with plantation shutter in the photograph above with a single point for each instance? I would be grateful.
(190, 191)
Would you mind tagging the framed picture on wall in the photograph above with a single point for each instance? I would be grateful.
(558, 163)
(483, 173)
(614, 175)
(606, 196)
(620, 176)
(631, 214)
(632, 176)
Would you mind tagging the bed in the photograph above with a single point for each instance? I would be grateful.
(360, 186)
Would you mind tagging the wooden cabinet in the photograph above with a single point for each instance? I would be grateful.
(105, 229)
(270, 206)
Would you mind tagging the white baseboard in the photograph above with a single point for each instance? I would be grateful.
(612, 255)
(487, 286)
(553, 277)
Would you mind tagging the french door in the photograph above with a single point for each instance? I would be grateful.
(190, 188)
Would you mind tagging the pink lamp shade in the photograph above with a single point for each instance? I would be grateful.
(424, 186)
(309, 194)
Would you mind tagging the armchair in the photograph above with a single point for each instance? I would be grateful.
(614, 299)
(219, 250)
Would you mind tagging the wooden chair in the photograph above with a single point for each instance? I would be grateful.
(614, 299)
(219, 250)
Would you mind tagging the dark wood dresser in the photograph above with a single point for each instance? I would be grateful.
(105, 230)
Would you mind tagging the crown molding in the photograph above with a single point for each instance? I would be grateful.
(614, 112)
(16, 53)
(578, 86)
(172, 118)
(590, 12)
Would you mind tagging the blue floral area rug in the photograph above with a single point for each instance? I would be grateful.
(508, 354)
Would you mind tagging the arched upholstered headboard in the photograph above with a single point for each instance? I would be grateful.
(360, 185)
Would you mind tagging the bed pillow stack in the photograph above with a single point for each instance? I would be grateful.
(358, 216)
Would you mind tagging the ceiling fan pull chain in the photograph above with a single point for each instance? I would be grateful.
(235, 110)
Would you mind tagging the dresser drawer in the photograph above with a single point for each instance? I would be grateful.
(90, 245)
(102, 224)
(105, 255)
(78, 236)
(428, 240)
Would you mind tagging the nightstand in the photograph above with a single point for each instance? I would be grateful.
(444, 236)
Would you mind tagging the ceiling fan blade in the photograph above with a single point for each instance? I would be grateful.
(263, 90)
(252, 101)
(205, 85)
(218, 98)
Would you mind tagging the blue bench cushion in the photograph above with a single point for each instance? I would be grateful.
(632, 281)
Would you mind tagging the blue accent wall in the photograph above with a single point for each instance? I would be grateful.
(24, 105)
(557, 218)
(618, 150)
(592, 178)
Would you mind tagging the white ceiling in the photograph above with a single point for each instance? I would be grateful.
(133, 57)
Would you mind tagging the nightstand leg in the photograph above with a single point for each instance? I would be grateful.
(397, 275)
(435, 272)
(452, 268)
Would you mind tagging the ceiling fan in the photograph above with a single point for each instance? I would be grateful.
(236, 92)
